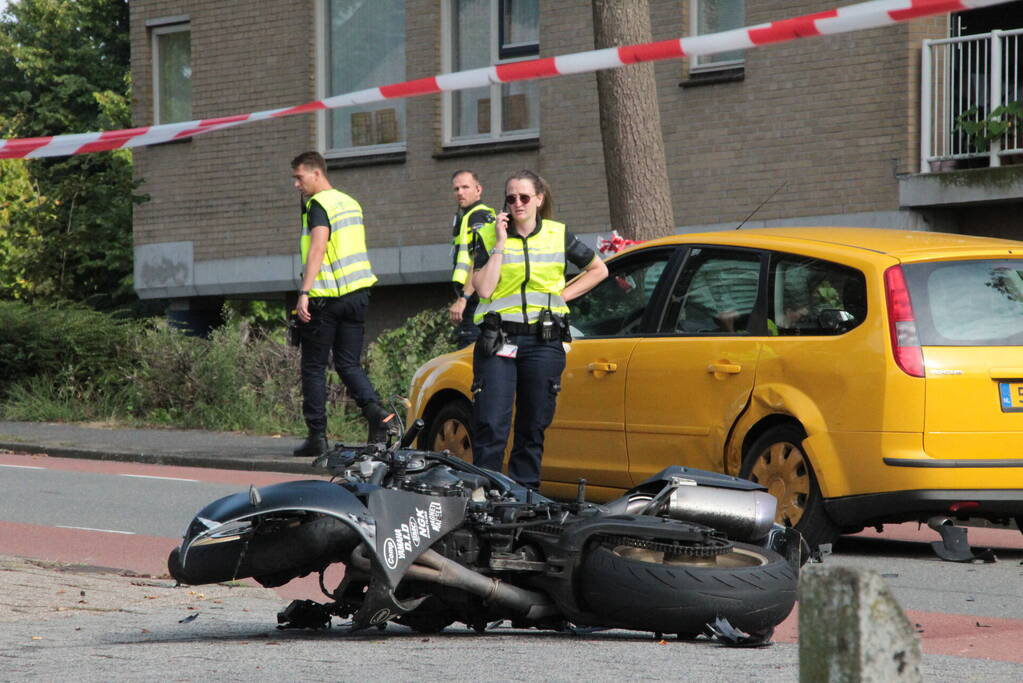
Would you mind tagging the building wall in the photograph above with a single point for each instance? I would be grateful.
(826, 123)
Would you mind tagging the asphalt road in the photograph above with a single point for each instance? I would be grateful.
(127, 516)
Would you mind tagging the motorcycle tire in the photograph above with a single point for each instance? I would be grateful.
(752, 587)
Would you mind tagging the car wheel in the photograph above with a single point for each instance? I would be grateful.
(451, 430)
(777, 461)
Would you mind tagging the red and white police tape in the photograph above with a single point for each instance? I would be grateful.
(845, 19)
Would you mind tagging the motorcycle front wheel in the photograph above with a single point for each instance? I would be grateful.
(646, 590)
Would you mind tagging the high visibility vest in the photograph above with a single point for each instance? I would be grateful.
(463, 242)
(532, 274)
(345, 266)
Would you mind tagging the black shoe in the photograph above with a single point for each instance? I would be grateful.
(314, 446)
(380, 421)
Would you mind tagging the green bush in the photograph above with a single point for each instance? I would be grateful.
(68, 347)
(396, 354)
(84, 365)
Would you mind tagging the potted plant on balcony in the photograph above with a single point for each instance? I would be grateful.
(981, 131)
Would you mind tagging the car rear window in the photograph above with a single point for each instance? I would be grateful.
(967, 303)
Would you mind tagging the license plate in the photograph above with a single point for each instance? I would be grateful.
(1011, 396)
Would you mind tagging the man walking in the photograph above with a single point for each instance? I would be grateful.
(332, 301)
(471, 214)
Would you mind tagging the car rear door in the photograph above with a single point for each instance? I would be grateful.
(969, 319)
(587, 437)
(688, 383)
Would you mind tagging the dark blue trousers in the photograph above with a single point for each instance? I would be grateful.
(337, 326)
(468, 331)
(531, 383)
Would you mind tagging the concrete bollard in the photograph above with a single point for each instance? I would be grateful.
(851, 628)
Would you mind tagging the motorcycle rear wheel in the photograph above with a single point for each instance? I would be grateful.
(752, 587)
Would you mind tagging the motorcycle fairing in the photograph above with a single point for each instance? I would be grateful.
(313, 495)
(407, 525)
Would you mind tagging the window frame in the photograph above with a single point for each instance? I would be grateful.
(695, 65)
(162, 27)
(323, 119)
(757, 325)
(769, 294)
(655, 304)
(516, 53)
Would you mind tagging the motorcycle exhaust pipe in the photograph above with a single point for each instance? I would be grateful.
(433, 567)
(742, 515)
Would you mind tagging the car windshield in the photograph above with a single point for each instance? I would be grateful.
(968, 303)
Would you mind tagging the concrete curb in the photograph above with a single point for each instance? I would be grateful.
(298, 466)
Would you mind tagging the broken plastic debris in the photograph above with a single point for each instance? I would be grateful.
(190, 617)
(731, 636)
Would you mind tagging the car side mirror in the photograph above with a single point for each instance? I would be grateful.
(835, 320)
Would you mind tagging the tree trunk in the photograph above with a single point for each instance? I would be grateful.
(630, 126)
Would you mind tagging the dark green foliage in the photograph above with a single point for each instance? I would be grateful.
(397, 354)
(72, 363)
(64, 68)
(70, 346)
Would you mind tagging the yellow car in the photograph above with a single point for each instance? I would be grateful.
(862, 375)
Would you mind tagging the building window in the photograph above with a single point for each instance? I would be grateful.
(713, 16)
(172, 73)
(365, 49)
(479, 33)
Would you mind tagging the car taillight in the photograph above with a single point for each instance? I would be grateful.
(902, 324)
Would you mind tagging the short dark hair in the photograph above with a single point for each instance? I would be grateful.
(460, 171)
(310, 160)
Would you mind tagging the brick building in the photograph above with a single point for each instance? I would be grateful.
(831, 125)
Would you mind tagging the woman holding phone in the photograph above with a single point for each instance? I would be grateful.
(519, 273)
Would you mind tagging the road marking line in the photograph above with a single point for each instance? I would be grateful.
(149, 476)
(24, 467)
(87, 528)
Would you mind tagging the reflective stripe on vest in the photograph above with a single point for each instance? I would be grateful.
(462, 243)
(345, 266)
(541, 259)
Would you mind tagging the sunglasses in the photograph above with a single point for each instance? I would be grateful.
(523, 199)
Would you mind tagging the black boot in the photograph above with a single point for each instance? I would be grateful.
(380, 422)
(314, 446)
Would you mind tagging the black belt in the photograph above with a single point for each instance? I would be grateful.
(520, 328)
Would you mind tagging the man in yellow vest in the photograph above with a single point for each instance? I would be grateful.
(471, 215)
(332, 301)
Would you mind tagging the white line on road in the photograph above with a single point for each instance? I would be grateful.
(149, 476)
(24, 467)
(86, 528)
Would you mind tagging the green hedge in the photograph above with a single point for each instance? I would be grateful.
(69, 363)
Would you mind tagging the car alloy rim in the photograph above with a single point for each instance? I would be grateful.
(454, 437)
(782, 468)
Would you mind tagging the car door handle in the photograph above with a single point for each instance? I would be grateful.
(724, 368)
(602, 367)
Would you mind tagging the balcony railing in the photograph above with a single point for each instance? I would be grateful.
(965, 79)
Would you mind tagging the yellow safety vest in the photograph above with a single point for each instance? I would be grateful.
(532, 274)
(463, 242)
(345, 266)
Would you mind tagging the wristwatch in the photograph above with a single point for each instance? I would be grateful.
(303, 292)
(495, 250)
(466, 296)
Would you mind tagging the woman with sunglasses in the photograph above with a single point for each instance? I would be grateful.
(519, 273)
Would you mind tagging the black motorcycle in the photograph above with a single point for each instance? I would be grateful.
(428, 539)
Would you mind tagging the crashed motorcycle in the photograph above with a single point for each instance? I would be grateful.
(428, 540)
